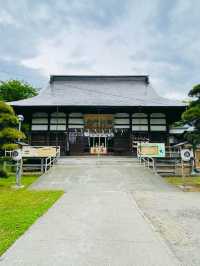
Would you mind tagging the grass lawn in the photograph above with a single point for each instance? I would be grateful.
(192, 182)
(20, 208)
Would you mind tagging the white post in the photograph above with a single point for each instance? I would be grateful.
(183, 174)
(19, 172)
(45, 165)
(21, 119)
(42, 165)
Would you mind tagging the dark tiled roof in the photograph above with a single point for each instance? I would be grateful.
(98, 91)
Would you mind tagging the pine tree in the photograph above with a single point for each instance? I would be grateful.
(192, 117)
(9, 133)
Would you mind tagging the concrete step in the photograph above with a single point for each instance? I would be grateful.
(165, 172)
(165, 166)
(91, 160)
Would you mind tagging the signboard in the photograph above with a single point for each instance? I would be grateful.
(98, 150)
(31, 151)
(186, 154)
(98, 135)
(98, 121)
(151, 149)
(197, 158)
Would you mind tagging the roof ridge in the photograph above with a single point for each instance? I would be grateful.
(144, 78)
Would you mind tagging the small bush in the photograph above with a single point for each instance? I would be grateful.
(10, 146)
(4, 159)
(3, 173)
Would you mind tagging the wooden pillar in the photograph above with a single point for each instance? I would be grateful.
(48, 131)
(67, 121)
(149, 125)
(30, 129)
(67, 149)
(167, 129)
(130, 122)
(130, 130)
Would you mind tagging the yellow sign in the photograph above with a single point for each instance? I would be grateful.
(31, 151)
(98, 121)
(197, 158)
(98, 150)
(151, 149)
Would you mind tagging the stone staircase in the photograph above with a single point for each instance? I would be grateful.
(166, 166)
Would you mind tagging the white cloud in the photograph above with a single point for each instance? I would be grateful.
(92, 37)
(7, 19)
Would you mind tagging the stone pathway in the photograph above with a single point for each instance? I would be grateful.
(97, 222)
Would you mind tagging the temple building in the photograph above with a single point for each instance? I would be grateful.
(98, 114)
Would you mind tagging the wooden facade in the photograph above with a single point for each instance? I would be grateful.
(66, 128)
(80, 112)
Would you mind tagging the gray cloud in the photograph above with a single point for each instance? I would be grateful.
(158, 38)
(13, 70)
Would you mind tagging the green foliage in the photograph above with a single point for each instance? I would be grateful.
(178, 123)
(192, 116)
(178, 180)
(9, 146)
(3, 173)
(5, 159)
(8, 120)
(11, 133)
(14, 90)
(193, 138)
(21, 208)
(25, 128)
(8, 131)
(5, 108)
(195, 92)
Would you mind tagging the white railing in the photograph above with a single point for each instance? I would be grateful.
(46, 162)
(50, 161)
(147, 162)
(8, 153)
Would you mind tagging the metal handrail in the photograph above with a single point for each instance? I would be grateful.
(8, 153)
(46, 162)
(148, 162)
(50, 161)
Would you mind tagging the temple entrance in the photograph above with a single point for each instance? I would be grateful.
(101, 143)
(85, 142)
(99, 134)
(99, 129)
(98, 145)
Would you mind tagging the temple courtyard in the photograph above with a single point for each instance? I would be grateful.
(114, 212)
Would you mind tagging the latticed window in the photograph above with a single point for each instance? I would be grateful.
(58, 121)
(139, 122)
(76, 121)
(39, 121)
(158, 122)
(121, 120)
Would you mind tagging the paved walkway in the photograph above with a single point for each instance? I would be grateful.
(97, 222)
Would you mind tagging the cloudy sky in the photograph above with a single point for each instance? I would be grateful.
(159, 38)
